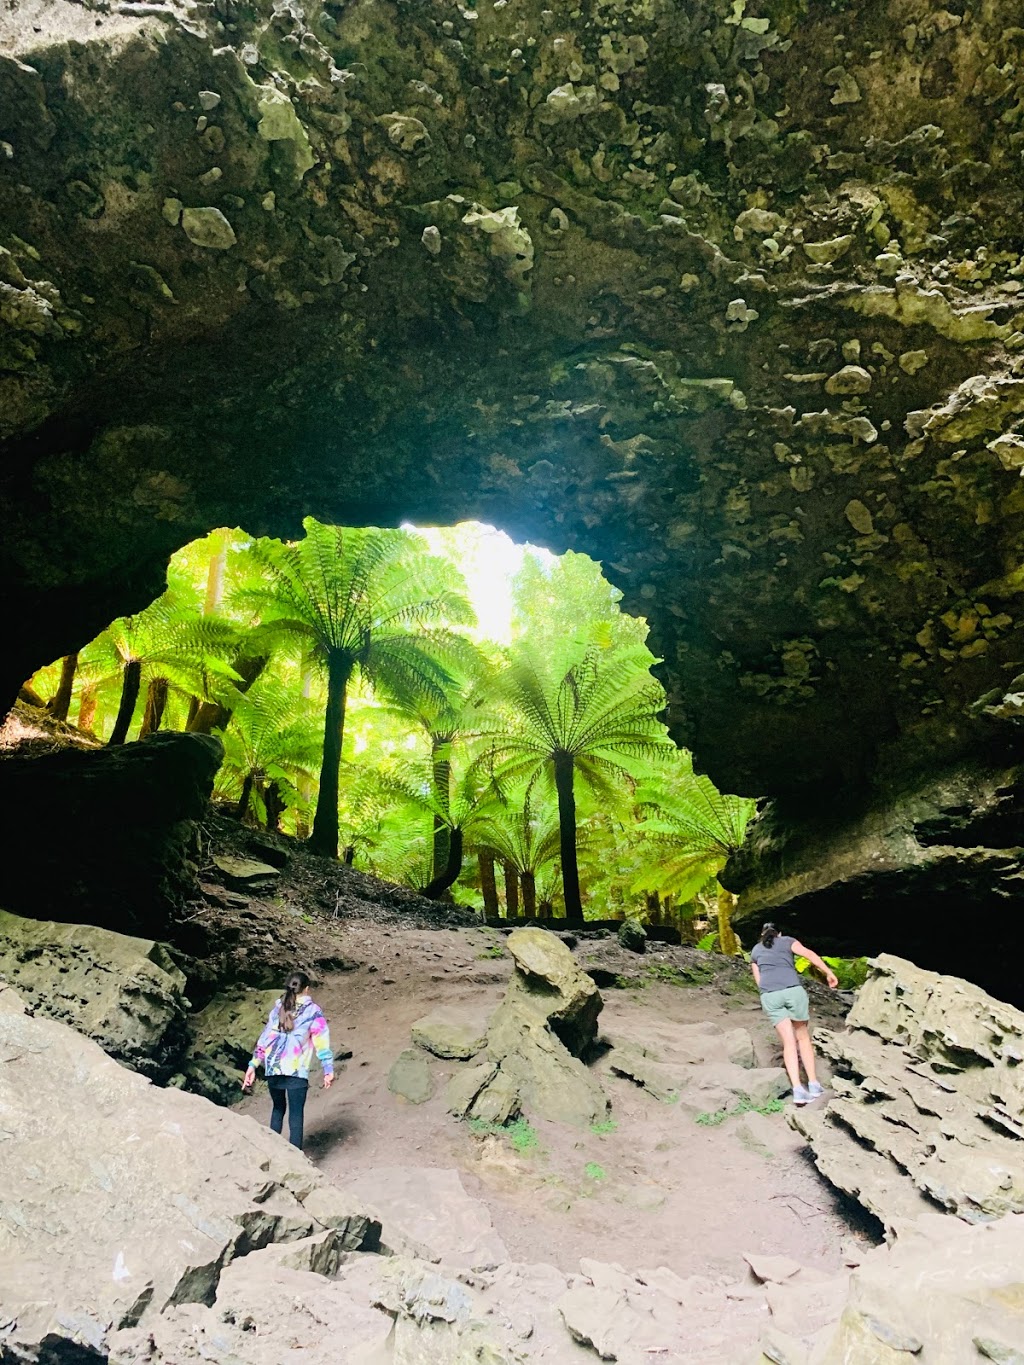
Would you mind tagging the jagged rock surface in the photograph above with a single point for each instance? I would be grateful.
(118, 1200)
(221, 1039)
(124, 993)
(929, 1096)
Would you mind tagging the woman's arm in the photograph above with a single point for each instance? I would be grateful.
(259, 1052)
(815, 961)
(321, 1038)
(757, 974)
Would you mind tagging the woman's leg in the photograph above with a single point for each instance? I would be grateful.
(297, 1092)
(784, 1028)
(801, 1028)
(277, 1098)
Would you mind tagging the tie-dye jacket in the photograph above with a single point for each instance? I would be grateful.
(291, 1054)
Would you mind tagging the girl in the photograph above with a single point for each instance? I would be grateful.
(296, 1028)
(784, 1000)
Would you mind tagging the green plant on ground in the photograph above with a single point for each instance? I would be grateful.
(603, 1127)
(521, 1134)
(678, 976)
(594, 1172)
(744, 1105)
(495, 950)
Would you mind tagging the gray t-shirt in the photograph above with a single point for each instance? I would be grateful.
(775, 964)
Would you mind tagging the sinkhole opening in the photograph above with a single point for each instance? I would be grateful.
(440, 707)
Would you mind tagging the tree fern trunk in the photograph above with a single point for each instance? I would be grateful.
(242, 809)
(87, 709)
(565, 772)
(215, 574)
(511, 890)
(529, 895)
(324, 839)
(130, 684)
(441, 764)
(156, 702)
(275, 807)
(488, 885)
(211, 715)
(60, 703)
(727, 941)
(436, 889)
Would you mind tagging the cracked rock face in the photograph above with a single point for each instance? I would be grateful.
(725, 295)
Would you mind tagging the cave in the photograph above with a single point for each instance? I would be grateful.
(726, 296)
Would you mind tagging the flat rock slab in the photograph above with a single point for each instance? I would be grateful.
(245, 872)
(426, 1212)
(452, 1035)
(410, 1077)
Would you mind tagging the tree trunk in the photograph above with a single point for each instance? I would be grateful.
(529, 895)
(511, 891)
(60, 702)
(215, 574)
(436, 889)
(156, 702)
(728, 943)
(488, 885)
(441, 765)
(324, 839)
(242, 809)
(275, 807)
(565, 772)
(211, 715)
(130, 684)
(654, 915)
(87, 709)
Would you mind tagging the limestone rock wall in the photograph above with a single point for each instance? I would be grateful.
(727, 295)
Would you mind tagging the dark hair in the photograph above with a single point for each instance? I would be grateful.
(769, 934)
(297, 982)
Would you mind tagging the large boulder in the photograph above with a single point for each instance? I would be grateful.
(537, 1036)
(125, 993)
(118, 1199)
(123, 822)
(451, 1034)
(928, 1112)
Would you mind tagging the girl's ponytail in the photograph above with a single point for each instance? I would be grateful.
(297, 982)
(769, 934)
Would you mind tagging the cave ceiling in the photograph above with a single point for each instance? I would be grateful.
(729, 296)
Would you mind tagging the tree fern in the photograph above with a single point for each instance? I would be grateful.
(576, 710)
(273, 738)
(366, 602)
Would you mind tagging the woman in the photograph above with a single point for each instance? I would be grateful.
(296, 1028)
(784, 1000)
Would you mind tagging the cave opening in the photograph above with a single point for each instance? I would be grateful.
(439, 706)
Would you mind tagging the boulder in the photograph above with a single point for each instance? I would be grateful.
(246, 874)
(118, 1199)
(549, 982)
(451, 1035)
(126, 818)
(125, 993)
(927, 1111)
(410, 1077)
(537, 1035)
(221, 1039)
(632, 935)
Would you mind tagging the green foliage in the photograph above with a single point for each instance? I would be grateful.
(521, 1135)
(593, 1171)
(494, 951)
(603, 1127)
(851, 972)
(707, 943)
(744, 1105)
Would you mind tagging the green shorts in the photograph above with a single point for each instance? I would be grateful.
(792, 1003)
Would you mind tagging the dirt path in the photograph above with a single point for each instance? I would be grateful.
(657, 1188)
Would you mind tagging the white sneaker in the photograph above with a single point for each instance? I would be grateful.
(801, 1095)
(815, 1091)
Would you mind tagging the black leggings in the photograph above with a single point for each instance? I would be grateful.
(290, 1092)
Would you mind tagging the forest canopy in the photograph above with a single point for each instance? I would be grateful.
(441, 708)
